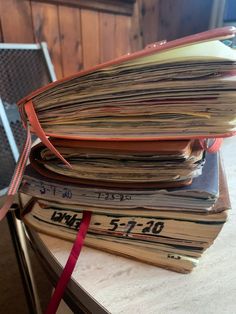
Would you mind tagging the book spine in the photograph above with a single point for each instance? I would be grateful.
(140, 228)
(116, 199)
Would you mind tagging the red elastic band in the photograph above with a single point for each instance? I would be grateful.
(213, 148)
(33, 119)
(70, 264)
(17, 176)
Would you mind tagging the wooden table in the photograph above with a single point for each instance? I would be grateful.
(107, 283)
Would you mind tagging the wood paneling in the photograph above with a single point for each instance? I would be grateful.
(191, 17)
(71, 41)
(150, 20)
(122, 35)
(77, 38)
(46, 28)
(124, 7)
(1, 34)
(171, 19)
(107, 38)
(16, 22)
(84, 37)
(136, 34)
(90, 38)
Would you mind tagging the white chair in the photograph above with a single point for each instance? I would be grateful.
(23, 68)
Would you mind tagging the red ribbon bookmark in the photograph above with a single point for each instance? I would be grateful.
(70, 264)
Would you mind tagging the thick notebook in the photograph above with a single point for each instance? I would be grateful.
(200, 196)
(181, 89)
(154, 238)
(122, 164)
(190, 231)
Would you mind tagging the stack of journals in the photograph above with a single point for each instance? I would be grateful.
(134, 132)
(165, 227)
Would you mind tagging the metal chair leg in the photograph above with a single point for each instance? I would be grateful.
(19, 241)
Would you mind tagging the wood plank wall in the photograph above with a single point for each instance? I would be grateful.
(79, 38)
(171, 19)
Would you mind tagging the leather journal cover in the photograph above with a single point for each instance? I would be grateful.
(121, 164)
(173, 90)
